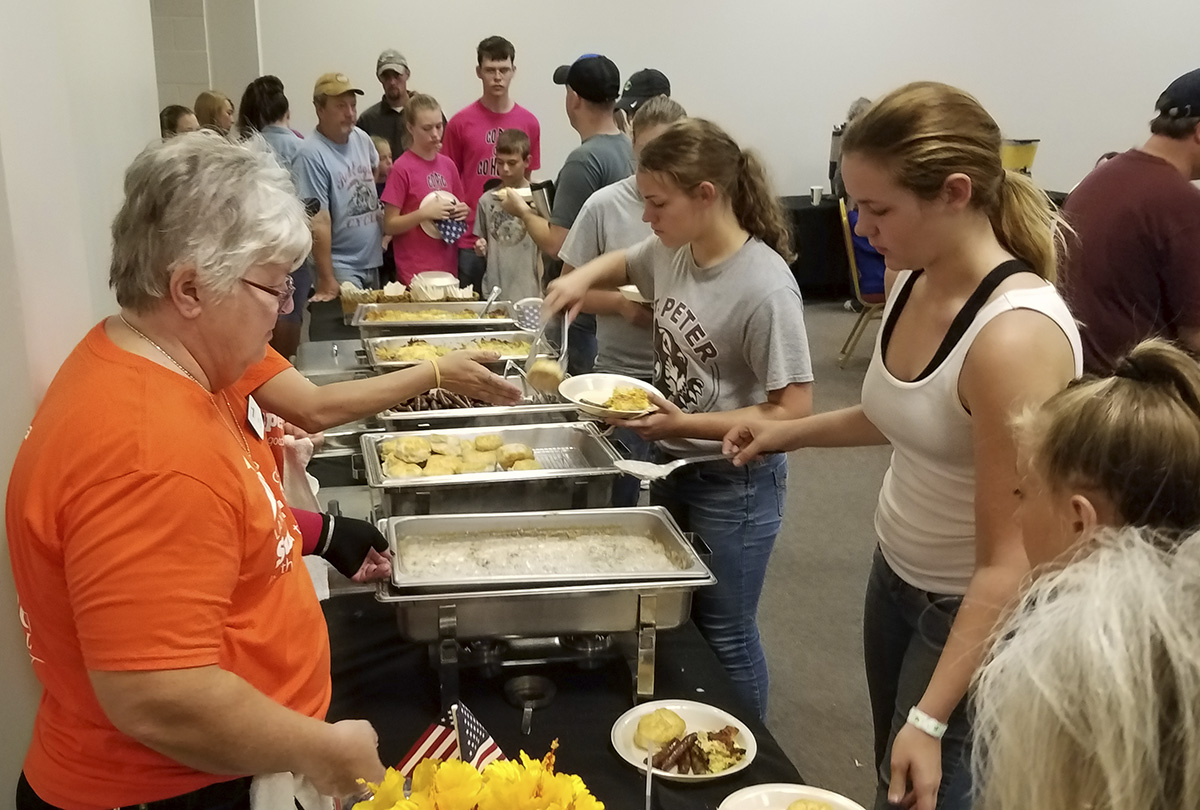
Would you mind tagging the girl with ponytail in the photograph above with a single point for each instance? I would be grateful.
(972, 334)
(1109, 509)
(729, 346)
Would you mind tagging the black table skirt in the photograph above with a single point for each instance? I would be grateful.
(379, 677)
(821, 267)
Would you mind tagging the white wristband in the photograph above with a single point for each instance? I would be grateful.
(930, 725)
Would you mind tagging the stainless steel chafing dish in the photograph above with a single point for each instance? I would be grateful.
(460, 340)
(456, 612)
(527, 413)
(326, 361)
(578, 471)
(370, 327)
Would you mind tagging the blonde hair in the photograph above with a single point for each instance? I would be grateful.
(694, 151)
(925, 131)
(381, 142)
(208, 106)
(656, 112)
(1135, 436)
(418, 102)
(1090, 698)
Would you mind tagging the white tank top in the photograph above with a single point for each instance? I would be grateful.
(925, 518)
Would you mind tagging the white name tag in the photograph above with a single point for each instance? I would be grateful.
(254, 416)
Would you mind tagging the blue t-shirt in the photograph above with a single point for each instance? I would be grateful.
(869, 260)
(283, 142)
(341, 177)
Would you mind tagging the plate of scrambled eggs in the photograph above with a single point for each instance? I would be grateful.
(609, 396)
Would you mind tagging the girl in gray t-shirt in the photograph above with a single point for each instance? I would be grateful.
(730, 345)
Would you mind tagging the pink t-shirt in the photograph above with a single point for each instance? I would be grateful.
(410, 181)
(470, 141)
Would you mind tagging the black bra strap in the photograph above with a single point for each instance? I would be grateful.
(962, 321)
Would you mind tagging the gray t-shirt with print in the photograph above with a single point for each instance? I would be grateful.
(513, 258)
(611, 219)
(725, 336)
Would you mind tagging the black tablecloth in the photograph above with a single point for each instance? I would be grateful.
(821, 267)
(379, 677)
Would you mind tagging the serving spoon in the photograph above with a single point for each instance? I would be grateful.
(649, 471)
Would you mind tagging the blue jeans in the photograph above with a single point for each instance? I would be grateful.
(627, 489)
(904, 632)
(581, 346)
(471, 268)
(737, 512)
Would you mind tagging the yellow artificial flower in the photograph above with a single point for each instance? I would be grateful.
(424, 775)
(387, 793)
(456, 786)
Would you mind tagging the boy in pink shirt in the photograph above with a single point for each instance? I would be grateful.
(471, 139)
(408, 208)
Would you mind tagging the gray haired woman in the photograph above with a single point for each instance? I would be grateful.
(170, 620)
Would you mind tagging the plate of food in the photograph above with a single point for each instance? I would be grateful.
(693, 742)
(609, 396)
(632, 292)
(786, 797)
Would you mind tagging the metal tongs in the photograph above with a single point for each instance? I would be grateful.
(541, 345)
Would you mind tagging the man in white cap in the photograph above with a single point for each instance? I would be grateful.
(336, 167)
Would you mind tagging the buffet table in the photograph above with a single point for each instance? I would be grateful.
(379, 677)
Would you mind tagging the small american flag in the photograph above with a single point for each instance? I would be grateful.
(457, 734)
(451, 229)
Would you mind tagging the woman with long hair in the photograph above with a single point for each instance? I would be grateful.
(730, 345)
(214, 111)
(972, 334)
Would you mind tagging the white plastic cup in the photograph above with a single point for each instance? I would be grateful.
(817, 193)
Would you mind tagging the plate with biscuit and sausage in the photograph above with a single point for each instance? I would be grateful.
(689, 741)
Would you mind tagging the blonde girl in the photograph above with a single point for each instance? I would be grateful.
(972, 334)
(730, 345)
(214, 111)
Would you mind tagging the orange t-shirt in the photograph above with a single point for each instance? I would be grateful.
(142, 538)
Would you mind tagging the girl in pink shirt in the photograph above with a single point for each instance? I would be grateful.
(417, 172)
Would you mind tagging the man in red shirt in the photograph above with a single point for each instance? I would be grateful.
(470, 140)
(1132, 270)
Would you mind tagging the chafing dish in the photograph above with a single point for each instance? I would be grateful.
(546, 618)
(453, 341)
(369, 327)
(326, 361)
(527, 413)
(578, 471)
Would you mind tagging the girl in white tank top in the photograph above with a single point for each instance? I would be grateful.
(967, 343)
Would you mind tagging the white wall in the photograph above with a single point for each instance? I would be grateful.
(180, 50)
(63, 152)
(232, 27)
(779, 74)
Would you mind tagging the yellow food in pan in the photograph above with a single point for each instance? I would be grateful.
(416, 351)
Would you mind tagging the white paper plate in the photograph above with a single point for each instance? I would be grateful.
(696, 717)
(779, 796)
(632, 292)
(430, 227)
(588, 390)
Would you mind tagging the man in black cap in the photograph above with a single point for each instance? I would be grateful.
(1133, 269)
(604, 156)
(641, 87)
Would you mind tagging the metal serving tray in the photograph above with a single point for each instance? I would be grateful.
(578, 472)
(373, 327)
(454, 341)
(653, 523)
(524, 414)
(326, 361)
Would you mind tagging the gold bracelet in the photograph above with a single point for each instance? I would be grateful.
(437, 374)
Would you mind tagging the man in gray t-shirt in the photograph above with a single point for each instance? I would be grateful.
(611, 219)
(725, 336)
(603, 157)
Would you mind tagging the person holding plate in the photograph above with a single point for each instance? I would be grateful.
(422, 208)
(730, 345)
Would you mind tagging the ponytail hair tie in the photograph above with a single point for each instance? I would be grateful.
(1131, 369)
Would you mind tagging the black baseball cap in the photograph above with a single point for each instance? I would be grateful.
(641, 87)
(594, 77)
(1181, 99)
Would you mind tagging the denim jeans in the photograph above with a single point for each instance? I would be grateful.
(471, 267)
(581, 345)
(627, 489)
(904, 632)
(737, 512)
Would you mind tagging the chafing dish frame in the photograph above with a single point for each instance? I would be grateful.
(370, 328)
(455, 340)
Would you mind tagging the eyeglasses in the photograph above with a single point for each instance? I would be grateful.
(284, 296)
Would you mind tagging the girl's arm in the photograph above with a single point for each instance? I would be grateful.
(568, 291)
(997, 383)
(846, 427)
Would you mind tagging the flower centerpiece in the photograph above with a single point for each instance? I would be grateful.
(520, 784)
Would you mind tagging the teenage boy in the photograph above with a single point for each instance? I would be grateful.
(470, 139)
(514, 262)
